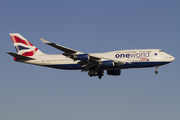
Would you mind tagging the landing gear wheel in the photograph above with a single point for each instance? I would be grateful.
(157, 70)
(96, 72)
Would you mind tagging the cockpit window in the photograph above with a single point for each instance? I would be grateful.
(160, 50)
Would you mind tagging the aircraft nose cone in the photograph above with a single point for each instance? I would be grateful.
(172, 58)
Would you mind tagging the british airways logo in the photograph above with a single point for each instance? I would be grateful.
(133, 55)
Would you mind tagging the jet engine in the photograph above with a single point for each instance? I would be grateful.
(81, 57)
(107, 63)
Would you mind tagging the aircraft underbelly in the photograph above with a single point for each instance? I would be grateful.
(125, 66)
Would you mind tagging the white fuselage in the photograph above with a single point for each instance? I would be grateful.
(132, 59)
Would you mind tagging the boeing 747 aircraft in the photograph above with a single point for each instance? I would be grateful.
(94, 63)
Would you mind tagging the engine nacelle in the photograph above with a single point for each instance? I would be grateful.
(81, 57)
(114, 72)
(107, 63)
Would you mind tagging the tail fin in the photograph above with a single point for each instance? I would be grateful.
(23, 46)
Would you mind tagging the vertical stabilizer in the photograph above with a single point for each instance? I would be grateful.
(23, 46)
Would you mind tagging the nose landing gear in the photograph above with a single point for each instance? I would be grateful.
(156, 72)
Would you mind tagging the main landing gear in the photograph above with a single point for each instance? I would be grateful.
(96, 72)
(156, 72)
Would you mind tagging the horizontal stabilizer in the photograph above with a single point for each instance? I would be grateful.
(19, 56)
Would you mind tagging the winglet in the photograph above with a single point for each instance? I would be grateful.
(44, 41)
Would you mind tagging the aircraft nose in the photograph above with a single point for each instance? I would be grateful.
(172, 58)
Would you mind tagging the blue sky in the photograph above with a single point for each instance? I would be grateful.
(31, 92)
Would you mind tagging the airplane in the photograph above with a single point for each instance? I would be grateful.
(93, 63)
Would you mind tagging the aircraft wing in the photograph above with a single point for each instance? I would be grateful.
(60, 47)
(68, 51)
(91, 60)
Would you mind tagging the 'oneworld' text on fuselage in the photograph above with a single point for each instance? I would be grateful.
(133, 55)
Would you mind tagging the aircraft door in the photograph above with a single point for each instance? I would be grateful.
(43, 61)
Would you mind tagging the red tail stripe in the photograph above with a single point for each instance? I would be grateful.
(19, 40)
(31, 53)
